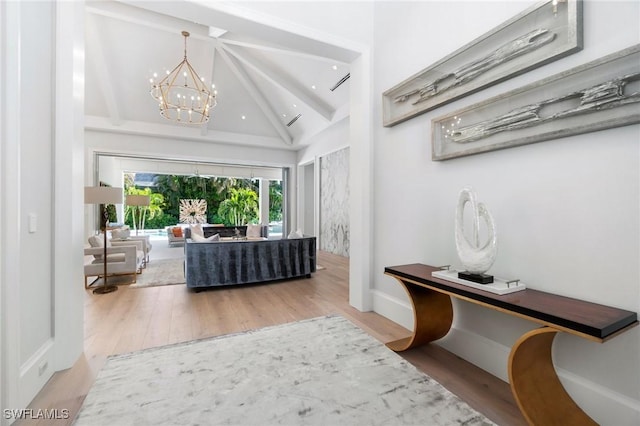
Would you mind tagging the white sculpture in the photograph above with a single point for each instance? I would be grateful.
(475, 258)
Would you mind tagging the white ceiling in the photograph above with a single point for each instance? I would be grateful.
(262, 73)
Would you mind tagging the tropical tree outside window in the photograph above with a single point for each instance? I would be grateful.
(153, 210)
(240, 208)
(230, 201)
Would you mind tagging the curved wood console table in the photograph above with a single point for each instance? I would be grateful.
(533, 378)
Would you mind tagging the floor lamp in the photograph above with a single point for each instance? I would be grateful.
(103, 195)
(136, 202)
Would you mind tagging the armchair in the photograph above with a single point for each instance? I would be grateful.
(125, 262)
(121, 260)
(175, 234)
(144, 240)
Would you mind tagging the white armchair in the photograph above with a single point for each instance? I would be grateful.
(121, 259)
(123, 236)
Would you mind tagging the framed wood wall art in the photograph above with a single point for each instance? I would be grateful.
(599, 95)
(539, 35)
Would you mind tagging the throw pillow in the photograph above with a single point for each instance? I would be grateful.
(254, 231)
(200, 239)
(177, 232)
(197, 229)
(122, 233)
(295, 234)
(96, 241)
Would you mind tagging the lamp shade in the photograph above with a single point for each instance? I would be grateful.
(102, 195)
(138, 200)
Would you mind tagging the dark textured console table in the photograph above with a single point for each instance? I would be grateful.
(534, 381)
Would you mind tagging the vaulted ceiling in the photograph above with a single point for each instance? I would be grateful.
(265, 77)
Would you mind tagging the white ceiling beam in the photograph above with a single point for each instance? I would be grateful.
(257, 25)
(147, 18)
(257, 96)
(181, 132)
(272, 49)
(276, 78)
(101, 69)
(204, 128)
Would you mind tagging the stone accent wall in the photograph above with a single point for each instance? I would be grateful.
(334, 202)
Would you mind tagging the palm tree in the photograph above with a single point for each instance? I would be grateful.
(240, 207)
(154, 208)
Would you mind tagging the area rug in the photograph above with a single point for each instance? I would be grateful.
(161, 272)
(323, 371)
(157, 272)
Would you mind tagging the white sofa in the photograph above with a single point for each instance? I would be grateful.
(124, 259)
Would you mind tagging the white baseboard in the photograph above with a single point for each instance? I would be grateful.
(604, 405)
(35, 373)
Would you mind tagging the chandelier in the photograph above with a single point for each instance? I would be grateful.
(182, 95)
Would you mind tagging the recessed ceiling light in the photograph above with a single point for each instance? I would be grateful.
(284, 115)
(313, 87)
(295, 106)
(244, 117)
(335, 67)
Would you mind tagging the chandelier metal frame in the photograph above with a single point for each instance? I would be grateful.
(182, 95)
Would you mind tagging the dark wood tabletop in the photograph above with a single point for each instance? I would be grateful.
(593, 319)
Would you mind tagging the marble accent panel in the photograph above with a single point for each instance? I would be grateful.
(334, 202)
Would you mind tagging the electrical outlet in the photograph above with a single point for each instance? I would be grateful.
(43, 368)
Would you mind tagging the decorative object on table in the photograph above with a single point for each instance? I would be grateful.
(539, 35)
(341, 376)
(103, 195)
(182, 95)
(193, 211)
(477, 258)
(598, 95)
(137, 203)
(497, 286)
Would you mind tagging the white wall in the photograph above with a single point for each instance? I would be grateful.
(567, 210)
(331, 139)
(40, 264)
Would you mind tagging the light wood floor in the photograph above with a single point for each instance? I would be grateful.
(131, 319)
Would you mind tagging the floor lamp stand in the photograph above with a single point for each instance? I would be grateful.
(105, 288)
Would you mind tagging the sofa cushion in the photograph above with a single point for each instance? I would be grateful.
(111, 258)
(254, 231)
(295, 234)
(197, 229)
(200, 239)
(176, 231)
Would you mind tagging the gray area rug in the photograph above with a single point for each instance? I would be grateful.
(323, 371)
(161, 272)
(157, 272)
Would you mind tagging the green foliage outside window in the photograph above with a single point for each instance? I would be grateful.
(242, 207)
